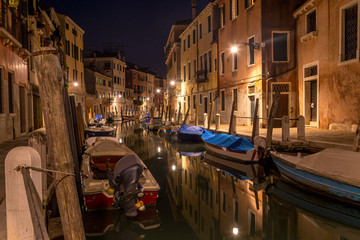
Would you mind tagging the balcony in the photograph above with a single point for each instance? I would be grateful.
(201, 76)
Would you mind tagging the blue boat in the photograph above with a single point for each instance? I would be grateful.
(190, 133)
(234, 148)
(334, 172)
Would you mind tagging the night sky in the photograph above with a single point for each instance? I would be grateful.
(140, 26)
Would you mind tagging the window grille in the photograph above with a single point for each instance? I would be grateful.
(251, 89)
(281, 87)
(310, 71)
(350, 38)
(311, 22)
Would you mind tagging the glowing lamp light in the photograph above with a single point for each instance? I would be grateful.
(159, 149)
(157, 90)
(235, 231)
(148, 99)
(76, 84)
(234, 49)
(173, 167)
(120, 140)
(172, 83)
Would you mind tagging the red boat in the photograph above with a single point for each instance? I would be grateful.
(134, 175)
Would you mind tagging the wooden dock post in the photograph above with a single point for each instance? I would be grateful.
(205, 121)
(162, 111)
(270, 121)
(357, 138)
(179, 115)
(51, 88)
(285, 127)
(301, 128)
(196, 114)
(231, 128)
(211, 113)
(255, 130)
(169, 116)
(186, 116)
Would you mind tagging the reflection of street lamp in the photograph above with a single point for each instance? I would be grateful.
(148, 99)
(173, 167)
(76, 84)
(172, 83)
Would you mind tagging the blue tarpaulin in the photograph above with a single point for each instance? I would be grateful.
(231, 142)
(207, 134)
(195, 130)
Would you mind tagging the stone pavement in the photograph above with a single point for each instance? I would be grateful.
(314, 137)
(4, 149)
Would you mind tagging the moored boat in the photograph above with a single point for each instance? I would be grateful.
(155, 124)
(334, 172)
(234, 148)
(100, 131)
(131, 176)
(190, 133)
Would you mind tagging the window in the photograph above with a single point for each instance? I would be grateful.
(249, 3)
(236, 211)
(194, 36)
(251, 55)
(67, 26)
(114, 79)
(222, 100)
(104, 82)
(194, 68)
(209, 23)
(222, 62)
(222, 15)
(349, 26)
(188, 104)
(200, 99)
(67, 50)
(188, 41)
(189, 70)
(215, 64)
(10, 91)
(210, 98)
(224, 202)
(235, 62)
(205, 62)
(200, 30)
(280, 46)
(109, 84)
(234, 9)
(107, 66)
(252, 224)
(311, 22)
(210, 67)
(184, 44)
(194, 101)
(235, 99)
(174, 56)
(184, 73)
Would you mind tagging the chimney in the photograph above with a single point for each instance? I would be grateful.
(193, 6)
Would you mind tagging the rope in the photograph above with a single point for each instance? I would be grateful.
(47, 171)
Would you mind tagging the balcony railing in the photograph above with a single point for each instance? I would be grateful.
(201, 76)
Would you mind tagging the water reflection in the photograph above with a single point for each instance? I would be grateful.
(200, 198)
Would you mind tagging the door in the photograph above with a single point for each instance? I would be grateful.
(252, 107)
(311, 102)
(283, 109)
(38, 119)
(22, 109)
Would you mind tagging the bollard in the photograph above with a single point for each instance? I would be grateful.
(285, 128)
(217, 122)
(205, 120)
(18, 217)
(301, 128)
(38, 141)
(233, 125)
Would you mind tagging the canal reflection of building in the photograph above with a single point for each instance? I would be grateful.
(212, 201)
(295, 214)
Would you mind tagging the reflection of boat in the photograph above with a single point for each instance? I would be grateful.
(155, 124)
(190, 133)
(117, 118)
(128, 118)
(129, 171)
(317, 207)
(116, 220)
(247, 171)
(332, 171)
(100, 131)
(234, 148)
(164, 130)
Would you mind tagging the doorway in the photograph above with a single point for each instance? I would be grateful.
(311, 102)
(205, 105)
(22, 109)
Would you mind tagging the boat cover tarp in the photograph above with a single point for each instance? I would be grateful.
(337, 164)
(195, 130)
(230, 142)
(191, 154)
(207, 134)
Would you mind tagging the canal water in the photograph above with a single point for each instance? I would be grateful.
(200, 199)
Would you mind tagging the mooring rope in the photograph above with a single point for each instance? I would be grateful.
(44, 170)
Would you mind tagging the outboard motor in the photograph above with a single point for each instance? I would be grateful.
(125, 180)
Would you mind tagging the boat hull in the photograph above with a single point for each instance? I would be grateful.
(189, 137)
(233, 157)
(332, 188)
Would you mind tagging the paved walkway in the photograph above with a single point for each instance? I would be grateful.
(4, 149)
(314, 137)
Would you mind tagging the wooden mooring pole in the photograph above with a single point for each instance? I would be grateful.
(232, 118)
(255, 130)
(357, 138)
(51, 87)
(186, 115)
(179, 114)
(270, 121)
(211, 113)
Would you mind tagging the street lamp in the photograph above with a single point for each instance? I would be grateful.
(158, 90)
(235, 231)
(76, 84)
(234, 49)
(172, 83)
